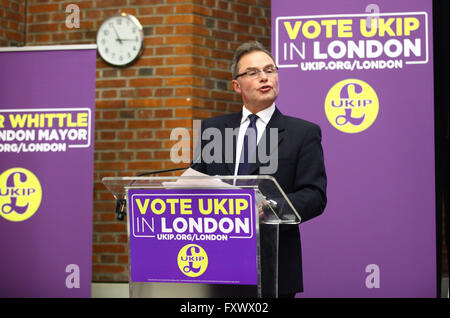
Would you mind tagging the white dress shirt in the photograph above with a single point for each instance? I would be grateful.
(261, 123)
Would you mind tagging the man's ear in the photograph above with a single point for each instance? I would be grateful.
(236, 86)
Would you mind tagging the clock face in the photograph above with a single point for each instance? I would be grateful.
(120, 39)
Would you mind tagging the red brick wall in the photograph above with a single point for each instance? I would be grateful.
(12, 26)
(183, 74)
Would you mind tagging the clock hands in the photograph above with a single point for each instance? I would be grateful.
(117, 35)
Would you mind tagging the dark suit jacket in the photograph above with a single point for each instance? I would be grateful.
(301, 175)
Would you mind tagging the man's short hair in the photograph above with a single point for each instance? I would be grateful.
(244, 49)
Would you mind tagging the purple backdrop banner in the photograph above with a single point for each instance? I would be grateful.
(193, 236)
(47, 99)
(364, 73)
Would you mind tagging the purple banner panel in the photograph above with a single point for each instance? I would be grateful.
(364, 73)
(193, 236)
(47, 99)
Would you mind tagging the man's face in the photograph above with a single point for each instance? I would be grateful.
(260, 92)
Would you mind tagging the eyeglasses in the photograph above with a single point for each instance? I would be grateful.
(254, 73)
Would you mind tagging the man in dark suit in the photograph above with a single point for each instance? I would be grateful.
(299, 169)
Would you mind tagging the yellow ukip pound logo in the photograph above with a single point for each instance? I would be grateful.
(192, 260)
(351, 106)
(20, 194)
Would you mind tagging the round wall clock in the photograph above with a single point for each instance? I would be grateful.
(120, 39)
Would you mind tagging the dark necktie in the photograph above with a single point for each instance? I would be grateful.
(248, 153)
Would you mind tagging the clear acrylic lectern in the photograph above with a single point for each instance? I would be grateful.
(272, 209)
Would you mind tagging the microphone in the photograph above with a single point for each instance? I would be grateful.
(162, 171)
(121, 203)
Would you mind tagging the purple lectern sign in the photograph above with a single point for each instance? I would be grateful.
(193, 236)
